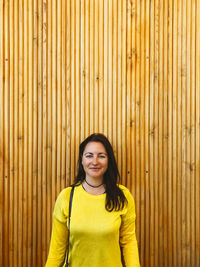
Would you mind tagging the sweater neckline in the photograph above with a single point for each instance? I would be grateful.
(91, 195)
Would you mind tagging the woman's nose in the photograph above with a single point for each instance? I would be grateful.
(95, 160)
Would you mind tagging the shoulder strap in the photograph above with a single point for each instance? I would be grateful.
(69, 219)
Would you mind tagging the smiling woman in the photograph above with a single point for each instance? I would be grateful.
(102, 215)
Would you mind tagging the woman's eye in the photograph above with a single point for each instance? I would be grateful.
(88, 156)
(102, 156)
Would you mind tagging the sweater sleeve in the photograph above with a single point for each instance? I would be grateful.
(59, 235)
(128, 240)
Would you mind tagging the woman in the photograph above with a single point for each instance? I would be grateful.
(103, 213)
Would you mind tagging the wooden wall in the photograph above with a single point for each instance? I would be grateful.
(129, 69)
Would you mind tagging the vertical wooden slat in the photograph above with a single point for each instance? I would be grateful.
(179, 121)
(92, 71)
(16, 127)
(44, 132)
(110, 69)
(20, 136)
(137, 92)
(96, 67)
(87, 67)
(130, 76)
(63, 93)
(188, 136)
(114, 73)
(106, 52)
(68, 89)
(101, 67)
(146, 259)
(160, 136)
(137, 89)
(73, 83)
(68, 93)
(40, 130)
(25, 137)
(84, 72)
(11, 141)
(192, 119)
(119, 87)
(151, 138)
(167, 258)
(1, 132)
(183, 73)
(124, 89)
(35, 131)
(59, 97)
(174, 130)
(21, 133)
(30, 133)
(141, 141)
(77, 87)
(156, 127)
(171, 247)
(6, 129)
(54, 101)
(49, 117)
(197, 139)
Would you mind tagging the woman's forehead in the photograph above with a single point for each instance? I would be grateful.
(94, 147)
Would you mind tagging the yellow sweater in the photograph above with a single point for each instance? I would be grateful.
(96, 235)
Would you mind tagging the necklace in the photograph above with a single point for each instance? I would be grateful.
(95, 186)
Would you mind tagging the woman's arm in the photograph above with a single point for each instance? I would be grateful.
(57, 250)
(59, 235)
(128, 240)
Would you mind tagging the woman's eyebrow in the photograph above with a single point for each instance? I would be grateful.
(98, 153)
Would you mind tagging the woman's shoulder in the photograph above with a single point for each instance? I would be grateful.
(130, 209)
(65, 192)
(124, 188)
(63, 196)
(62, 204)
(126, 192)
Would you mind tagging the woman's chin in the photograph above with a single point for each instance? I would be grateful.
(96, 175)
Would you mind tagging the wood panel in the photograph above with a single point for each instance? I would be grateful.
(129, 69)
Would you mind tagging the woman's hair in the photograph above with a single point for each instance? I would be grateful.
(115, 198)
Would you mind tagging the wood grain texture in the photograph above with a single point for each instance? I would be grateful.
(129, 69)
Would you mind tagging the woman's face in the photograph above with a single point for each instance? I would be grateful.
(95, 160)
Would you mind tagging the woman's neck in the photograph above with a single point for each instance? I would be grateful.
(94, 189)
